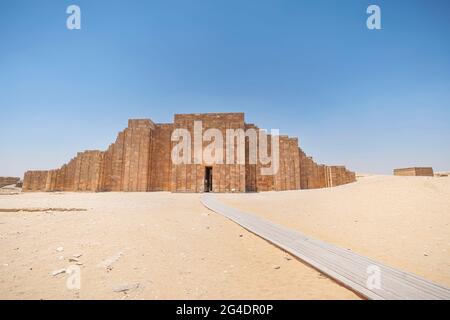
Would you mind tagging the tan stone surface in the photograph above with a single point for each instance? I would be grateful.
(140, 160)
(414, 171)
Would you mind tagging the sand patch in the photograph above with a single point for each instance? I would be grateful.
(41, 209)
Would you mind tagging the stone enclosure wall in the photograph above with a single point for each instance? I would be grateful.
(6, 181)
(415, 171)
(140, 160)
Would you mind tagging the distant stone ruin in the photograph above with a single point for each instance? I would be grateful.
(441, 174)
(6, 181)
(414, 171)
(140, 160)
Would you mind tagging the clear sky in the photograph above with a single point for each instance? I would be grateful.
(372, 100)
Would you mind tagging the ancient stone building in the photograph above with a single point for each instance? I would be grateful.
(141, 160)
(415, 171)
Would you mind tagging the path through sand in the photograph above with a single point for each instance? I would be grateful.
(403, 222)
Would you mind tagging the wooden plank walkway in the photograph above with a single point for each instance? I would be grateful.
(346, 267)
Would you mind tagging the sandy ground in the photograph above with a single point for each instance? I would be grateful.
(168, 246)
(157, 245)
(403, 222)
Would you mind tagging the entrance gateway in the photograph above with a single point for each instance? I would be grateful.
(208, 179)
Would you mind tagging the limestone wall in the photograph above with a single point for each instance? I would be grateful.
(136, 155)
(160, 158)
(35, 180)
(87, 173)
(140, 160)
(415, 171)
(6, 181)
(288, 176)
(225, 177)
(250, 168)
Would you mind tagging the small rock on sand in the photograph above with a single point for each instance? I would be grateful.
(107, 263)
(59, 271)
(60, 249)
(125, 287)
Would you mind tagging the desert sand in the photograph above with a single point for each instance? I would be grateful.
(403, 222)
(159, 245)
(168, 246)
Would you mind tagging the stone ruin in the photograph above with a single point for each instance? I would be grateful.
(140, 160)
(7, 181)
(414, 171)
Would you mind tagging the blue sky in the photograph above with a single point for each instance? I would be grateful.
(372, 100)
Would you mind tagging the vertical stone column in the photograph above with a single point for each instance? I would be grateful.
(136, 155)
(26, 185)
(161, 162)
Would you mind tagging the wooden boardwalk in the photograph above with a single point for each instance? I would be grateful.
(348, 268)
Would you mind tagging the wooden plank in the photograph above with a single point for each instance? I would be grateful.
(344, 266)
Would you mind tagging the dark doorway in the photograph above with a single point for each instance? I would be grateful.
(208, 179)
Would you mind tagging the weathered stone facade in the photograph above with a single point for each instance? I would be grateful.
(414, 171)
(140, 160)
